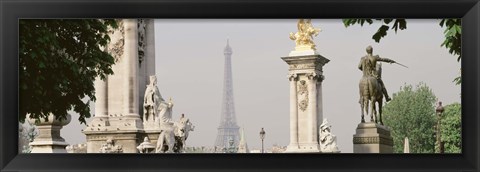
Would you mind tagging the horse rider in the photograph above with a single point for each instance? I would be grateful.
(368, 64)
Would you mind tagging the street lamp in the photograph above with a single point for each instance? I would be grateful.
(439, 144)
(262, 136)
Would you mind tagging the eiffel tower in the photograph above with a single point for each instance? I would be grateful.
(228, 128)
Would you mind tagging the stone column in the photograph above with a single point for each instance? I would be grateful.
(101, 93)
(150, 47)
(130, 100)
(319, 102)
(312, 96)
(306, 97)
(293, 112)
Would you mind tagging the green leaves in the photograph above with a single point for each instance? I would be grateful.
(59, 58)
(382, 30)
(350, 22)
(399, 24)
(453, 36)
(411, 113)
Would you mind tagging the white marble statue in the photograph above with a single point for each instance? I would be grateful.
(151, 102)
(166, 138)
(182, 129)
(173, 136)
(328, 141)
(165, 113)
(184, 126)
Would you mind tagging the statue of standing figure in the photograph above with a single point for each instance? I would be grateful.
(304, 37)
(371, 85)
(151, 102)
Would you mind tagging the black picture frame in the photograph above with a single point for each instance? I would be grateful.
(11, 11)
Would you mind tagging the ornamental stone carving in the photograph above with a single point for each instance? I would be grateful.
(115, 47)
(302, 66)
(321, 78)
(302, 95)
(110, 147)
(292, 77)
(313, 75)
(141, 39)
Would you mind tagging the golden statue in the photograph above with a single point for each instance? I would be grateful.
(304, 37)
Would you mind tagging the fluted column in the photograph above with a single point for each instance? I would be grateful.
(101, 94)
(312, 96)
(130, 101)
(319, 102)
(293, 111)
(150, 47)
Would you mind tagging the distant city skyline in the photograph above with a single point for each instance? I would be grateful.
(189, 67)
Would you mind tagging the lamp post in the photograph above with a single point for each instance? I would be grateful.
(439, 144)
(262, 136)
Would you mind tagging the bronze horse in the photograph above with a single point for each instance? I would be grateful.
(371, 93)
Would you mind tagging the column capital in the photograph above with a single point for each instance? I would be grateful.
(321, 78)
(312, 75)
(292, 77)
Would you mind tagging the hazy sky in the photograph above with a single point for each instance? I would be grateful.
(190, 65)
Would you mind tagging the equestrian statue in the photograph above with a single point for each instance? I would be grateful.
(372, 89)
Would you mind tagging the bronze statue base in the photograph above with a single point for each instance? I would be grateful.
(372, 138)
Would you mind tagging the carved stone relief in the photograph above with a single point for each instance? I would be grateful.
(115, 47)
(302, 66)
(141, 39)
(302, 95)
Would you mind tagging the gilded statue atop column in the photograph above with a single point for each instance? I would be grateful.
(304, 37)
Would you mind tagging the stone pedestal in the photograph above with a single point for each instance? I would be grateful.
(124, 131)
(306, 110)
(372, 138)
(49, 139)
(152, 135)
